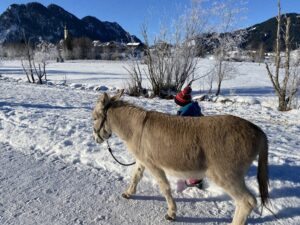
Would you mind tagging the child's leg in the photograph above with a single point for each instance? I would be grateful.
(194, 183)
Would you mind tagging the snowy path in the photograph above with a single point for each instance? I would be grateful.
(36, 189)
(52, 172)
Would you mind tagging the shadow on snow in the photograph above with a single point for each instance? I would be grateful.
(39, 106)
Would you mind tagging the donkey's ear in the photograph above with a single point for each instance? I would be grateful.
(106, 99)
(103, 99)
(118, 95)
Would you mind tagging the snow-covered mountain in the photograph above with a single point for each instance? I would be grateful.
(47, 23)
(261, 35)
(265, 33)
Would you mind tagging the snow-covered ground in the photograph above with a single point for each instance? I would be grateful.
(114, 74)
(52, 171)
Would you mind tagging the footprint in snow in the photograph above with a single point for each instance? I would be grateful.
(67, 143)
(49, 191)
(76, 161)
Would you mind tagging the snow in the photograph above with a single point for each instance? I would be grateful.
(113, 75)
(52, 171)
(133, 44)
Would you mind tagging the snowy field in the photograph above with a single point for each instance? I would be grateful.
(52, 171)
(114, 75)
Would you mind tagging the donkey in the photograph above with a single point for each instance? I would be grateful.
(221, 148)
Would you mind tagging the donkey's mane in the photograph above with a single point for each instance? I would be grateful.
(131, 106)
(121, 103)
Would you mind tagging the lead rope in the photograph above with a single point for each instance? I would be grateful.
(108, 146)
(110, 151)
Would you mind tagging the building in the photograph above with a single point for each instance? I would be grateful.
(66, 33)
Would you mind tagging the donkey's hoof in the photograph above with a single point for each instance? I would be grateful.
(124, 195)
(167, 217)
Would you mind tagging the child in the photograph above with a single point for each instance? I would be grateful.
(188, 108)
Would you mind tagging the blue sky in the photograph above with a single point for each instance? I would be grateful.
(131, 14)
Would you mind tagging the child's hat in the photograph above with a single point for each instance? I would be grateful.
(184, 97)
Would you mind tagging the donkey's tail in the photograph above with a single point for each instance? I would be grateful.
(262, 172)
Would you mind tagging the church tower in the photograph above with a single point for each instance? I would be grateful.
(66, 34)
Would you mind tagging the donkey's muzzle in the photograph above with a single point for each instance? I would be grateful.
(97, 137)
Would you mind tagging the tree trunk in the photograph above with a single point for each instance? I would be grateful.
(278, 46)
(220, 77)
(218, 89)
(283, 103)
(44, 71)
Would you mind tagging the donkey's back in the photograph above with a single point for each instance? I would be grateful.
(203, 142)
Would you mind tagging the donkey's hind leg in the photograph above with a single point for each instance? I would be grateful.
(136, 177)
(245, 202)
(165, 189)
(244, 199)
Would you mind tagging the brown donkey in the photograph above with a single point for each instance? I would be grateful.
(221, 148)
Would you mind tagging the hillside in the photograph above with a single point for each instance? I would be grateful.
(265, 33)
(47, 23)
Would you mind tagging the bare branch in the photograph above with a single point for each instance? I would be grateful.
(287, 88)
(277, 89)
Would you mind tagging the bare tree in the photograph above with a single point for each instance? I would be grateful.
(36, 60)
(135, 71)
(43, 53)
(171, 60)
(40, 71)
(225, 41)
(223, 69)
(286, 86)
(28, 65)
(157, 58)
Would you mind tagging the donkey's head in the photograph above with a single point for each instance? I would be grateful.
(102, 130)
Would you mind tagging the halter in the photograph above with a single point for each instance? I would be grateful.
(108, 146)
(104, 116)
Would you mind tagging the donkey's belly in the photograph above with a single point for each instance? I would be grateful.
(185, 174)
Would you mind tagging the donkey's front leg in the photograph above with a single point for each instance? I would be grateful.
(136, 177)
(165, 188)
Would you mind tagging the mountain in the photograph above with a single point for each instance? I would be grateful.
(265, 33)
(47, 23)
(261, 35)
